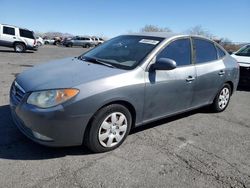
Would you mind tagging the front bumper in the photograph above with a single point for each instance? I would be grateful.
(51, 127)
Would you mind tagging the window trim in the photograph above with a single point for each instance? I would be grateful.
(201, 38)
(168, 43)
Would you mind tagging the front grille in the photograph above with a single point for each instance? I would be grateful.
(17, 92)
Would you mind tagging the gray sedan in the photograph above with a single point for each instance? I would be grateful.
(96, 98)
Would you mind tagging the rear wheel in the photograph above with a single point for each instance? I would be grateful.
(109, 128)
(57, 43)
(69, 45)
(19, 47)
(222, 99)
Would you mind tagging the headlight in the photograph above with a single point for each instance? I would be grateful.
(50, 98)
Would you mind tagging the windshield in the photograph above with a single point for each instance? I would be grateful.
(244, 51)
(124, 52)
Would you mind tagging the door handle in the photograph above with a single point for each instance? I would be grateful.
(14, 37)
(221, 73)
(190, 78)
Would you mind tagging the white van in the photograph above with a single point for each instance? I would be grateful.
(18, 38)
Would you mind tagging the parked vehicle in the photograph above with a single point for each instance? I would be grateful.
(48, 41)
(18, 38)
(85, 42)
(39, 41)
(128, 81)
(242, 56)
(58, 41)
(97, 41)
(55, 41)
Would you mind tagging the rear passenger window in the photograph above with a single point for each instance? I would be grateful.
(8, 30)
(179, 51)
(204, 51)
(26, 34)
(220, 52)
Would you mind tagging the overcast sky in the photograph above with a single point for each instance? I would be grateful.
(223, 18)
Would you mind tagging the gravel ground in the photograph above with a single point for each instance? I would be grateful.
(195, 149)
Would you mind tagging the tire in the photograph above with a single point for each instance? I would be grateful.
(39, 43)
(70, 45)
(19, 47)
(46, 42)
(108, 128)
(87, 46)
(57, 43)
(222, 98)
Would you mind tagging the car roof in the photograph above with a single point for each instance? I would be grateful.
(166, 35)
(8, 25)
(155, 34)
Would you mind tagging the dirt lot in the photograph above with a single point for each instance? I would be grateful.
(195, 149)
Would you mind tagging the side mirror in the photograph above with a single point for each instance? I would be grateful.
(164, 64)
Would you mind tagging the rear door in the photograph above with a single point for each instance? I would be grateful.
(27, 37)
(210, 70)
(7, 36)
(171, 91)
(77, 41)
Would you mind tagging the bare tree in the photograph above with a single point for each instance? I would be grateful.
(199, 30)
(154, 28)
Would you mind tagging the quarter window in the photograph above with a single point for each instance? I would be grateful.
(179, 51)
(220, 52)
(8, 30)
(204, 51)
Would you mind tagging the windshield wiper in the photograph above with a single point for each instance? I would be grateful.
(95, 60)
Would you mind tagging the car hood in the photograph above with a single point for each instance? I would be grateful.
(242, 60)
(65, 73)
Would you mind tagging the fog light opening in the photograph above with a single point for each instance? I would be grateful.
(41, 137)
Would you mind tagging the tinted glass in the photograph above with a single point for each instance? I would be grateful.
(204, 51)
(8, 30)
(124, 52)
(244, 51)
(179, 50)
(220, 52)
(26, 34)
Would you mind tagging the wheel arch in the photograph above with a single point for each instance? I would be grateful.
(231, 85)
(21, 42)
(125, 103)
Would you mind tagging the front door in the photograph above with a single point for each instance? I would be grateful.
(170, 91)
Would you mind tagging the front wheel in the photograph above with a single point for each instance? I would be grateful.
(87, 46)
(109, 128)
(39, 43)
(222, 99)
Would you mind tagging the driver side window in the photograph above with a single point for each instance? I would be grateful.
(179, 51)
